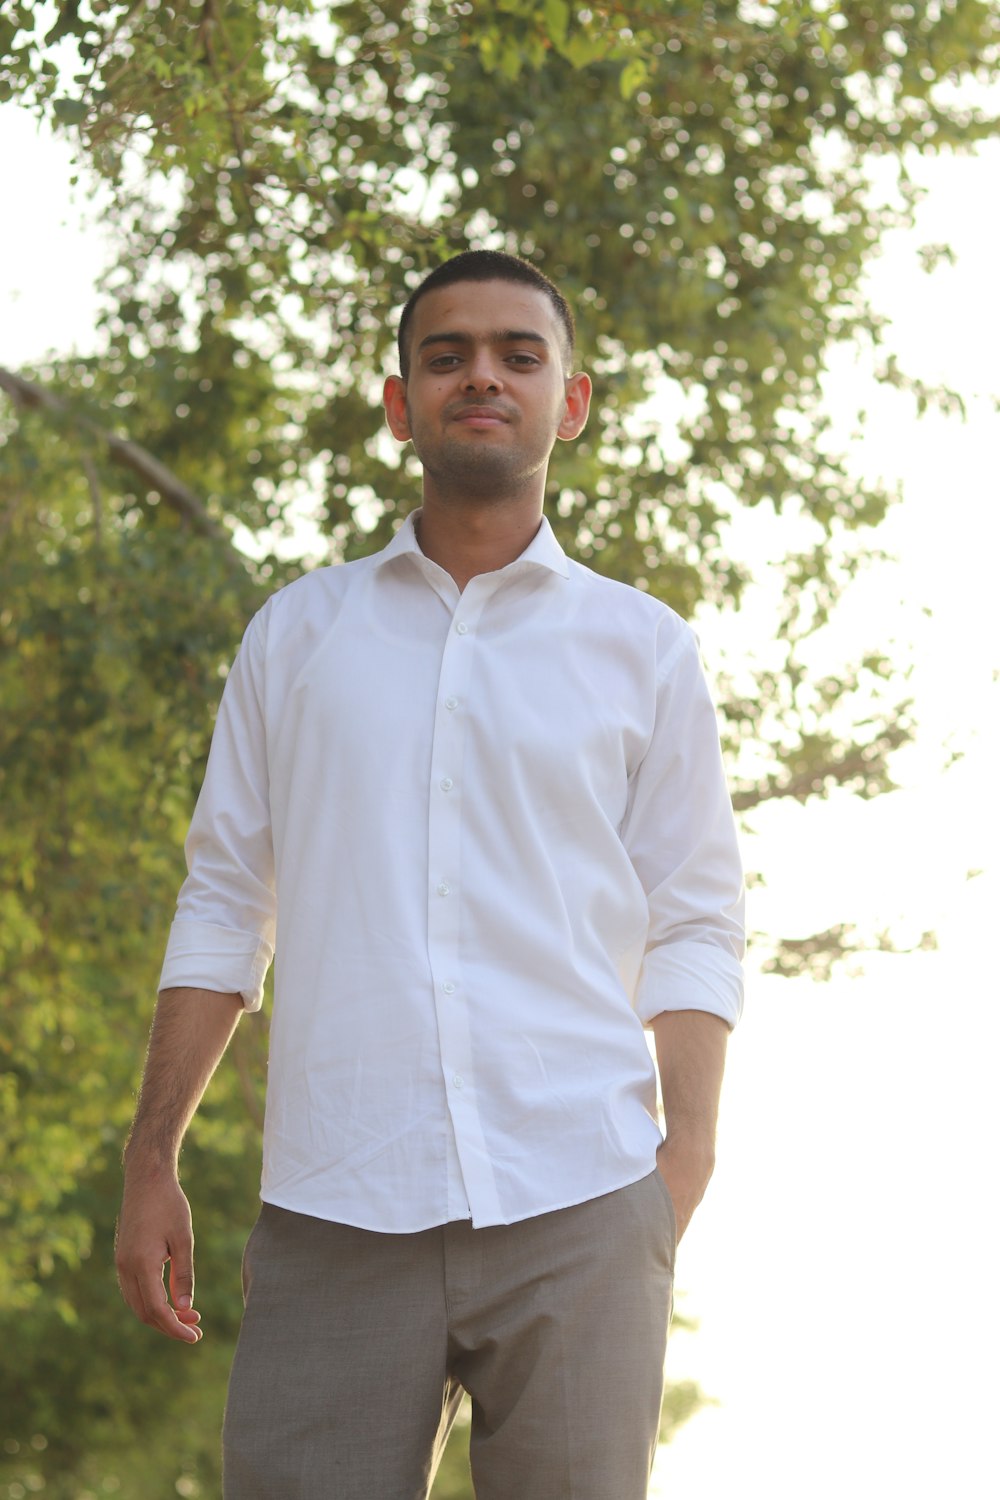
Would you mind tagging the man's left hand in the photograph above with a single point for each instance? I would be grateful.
(686, 1167)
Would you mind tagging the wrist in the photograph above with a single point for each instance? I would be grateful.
(691, 1145)
(140, 1160)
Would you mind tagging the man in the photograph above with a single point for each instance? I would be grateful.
(477, 789)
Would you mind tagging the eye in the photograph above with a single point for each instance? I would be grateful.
(523, 359)
(443, 362)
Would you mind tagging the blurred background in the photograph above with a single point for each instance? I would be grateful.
(777, 224)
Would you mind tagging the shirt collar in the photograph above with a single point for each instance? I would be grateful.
(543, 551)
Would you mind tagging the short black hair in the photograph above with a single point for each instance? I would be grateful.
(485, 265)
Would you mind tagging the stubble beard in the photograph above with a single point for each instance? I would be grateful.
(475, 472)
(466, 471)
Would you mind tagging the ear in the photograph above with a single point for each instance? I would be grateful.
(574, 420)
(394, 401)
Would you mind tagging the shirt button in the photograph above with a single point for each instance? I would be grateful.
(447, 784)
(458, 1081)
(462, 628)
(448, 987)
(451, 703)
(444, 888)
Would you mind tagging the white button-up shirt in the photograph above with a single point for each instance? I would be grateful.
(490, 837)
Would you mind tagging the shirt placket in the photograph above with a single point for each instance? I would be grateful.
(471, 1182)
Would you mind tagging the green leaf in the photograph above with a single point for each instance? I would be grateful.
(489, 50)
(582, 49)
(556, 14)
(634, 74)
(69, 111)
(8, 32)
(511, 59)
(67, 21)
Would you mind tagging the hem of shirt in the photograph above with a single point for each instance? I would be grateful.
(273, 1200)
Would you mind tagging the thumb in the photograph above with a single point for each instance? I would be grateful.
(182, 1272)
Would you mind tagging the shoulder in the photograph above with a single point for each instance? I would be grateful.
(310, 601)
(627, 610)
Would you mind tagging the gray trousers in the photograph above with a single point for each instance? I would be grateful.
(356, 1346)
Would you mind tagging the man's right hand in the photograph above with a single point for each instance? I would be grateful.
(154, 1230)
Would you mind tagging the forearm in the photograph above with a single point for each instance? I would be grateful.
(691, 1053)
(191, 1030)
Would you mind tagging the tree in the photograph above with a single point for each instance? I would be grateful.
(695, 178)
(279, 176)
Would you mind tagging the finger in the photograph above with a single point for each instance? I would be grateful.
(182, 1272)
(157, 1312)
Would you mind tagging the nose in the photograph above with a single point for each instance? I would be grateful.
(483, 373)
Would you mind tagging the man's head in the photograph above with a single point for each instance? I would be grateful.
(488, 265)
(486, 389)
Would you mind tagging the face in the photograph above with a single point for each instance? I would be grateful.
(487, 395)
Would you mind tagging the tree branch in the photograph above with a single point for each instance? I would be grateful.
(863, 761)
(26, 394)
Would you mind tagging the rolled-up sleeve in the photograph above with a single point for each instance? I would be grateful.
(222, 936)
(681, 838)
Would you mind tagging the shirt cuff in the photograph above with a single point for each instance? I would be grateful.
(205, 957)
(691, 976)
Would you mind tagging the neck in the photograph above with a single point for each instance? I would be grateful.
(476, 539)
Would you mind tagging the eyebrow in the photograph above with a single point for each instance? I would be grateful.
(498, 336)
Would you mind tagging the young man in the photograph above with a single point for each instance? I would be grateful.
(478, 789)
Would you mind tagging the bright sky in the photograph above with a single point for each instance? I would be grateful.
(842, 1267)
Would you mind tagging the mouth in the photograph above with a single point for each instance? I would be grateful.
(480, 416)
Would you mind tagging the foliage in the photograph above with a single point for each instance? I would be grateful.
(110, 644)
(277, 177)
(693, 176)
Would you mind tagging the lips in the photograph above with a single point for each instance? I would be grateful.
(480, 416)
